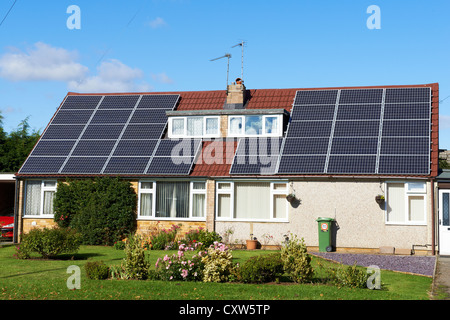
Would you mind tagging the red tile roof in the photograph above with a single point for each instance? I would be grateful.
(269, 99)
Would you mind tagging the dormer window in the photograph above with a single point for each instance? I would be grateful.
(194, 127)
(254, 125)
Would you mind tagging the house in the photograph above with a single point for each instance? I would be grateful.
(226, 160)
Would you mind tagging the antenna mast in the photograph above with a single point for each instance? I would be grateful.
(242, 57)
(227, 55)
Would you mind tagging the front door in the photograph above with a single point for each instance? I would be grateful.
(444, 222)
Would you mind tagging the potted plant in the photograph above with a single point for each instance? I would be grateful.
(252, 243)
(290, 197)
(379, 199)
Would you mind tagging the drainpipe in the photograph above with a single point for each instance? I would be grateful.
(16, 209)
(433, 251)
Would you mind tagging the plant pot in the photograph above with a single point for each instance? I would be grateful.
(379, 199)
(290, 197)
(251, 244)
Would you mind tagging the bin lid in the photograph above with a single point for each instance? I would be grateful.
(324, 219)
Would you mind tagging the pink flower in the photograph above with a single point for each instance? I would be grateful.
(184, 273)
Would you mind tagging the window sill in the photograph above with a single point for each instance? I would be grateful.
(170, 218)
(38, 217)
(252, 220)
(405, 223)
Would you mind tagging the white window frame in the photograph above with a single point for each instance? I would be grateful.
(185, 134)
(231, 192)
(153, 192)
(41, 206)
(277, 133)
(421, 193)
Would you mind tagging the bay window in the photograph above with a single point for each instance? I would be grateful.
(172, 200)
(406, 203)
(251, 200)
(39, 195)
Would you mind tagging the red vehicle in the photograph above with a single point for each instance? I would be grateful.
(7, 224)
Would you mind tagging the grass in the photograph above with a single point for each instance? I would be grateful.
(39, 279)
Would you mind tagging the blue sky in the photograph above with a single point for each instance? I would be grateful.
(166, 45)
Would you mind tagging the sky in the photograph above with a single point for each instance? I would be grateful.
(49, 48)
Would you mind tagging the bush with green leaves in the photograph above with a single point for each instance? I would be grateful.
(296, 260)
(135, 264)
(101, 209)
(49, 242)
(348, 276)
(96, 270)
(263, 268)
(200, 235)
(218, 264)
(164, 239)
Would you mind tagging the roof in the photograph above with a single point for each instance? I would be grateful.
(258, 99)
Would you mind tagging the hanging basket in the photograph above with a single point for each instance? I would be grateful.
(379, 199)
(290, 197)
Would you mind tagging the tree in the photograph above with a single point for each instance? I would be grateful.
(16, 146)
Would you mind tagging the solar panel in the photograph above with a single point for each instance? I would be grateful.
(119, 102)
(42, 165)
(83, 165)
(359, 131)
(124, 165)
(53, 148)
(93, 148)
(174, 157)
(81, 102)
(96, 134)
(63, 132)
(256, 156)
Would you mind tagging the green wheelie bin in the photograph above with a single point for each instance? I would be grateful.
(325, 225)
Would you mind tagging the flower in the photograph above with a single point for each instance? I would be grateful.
(184, 273)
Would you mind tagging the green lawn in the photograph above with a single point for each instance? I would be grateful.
(46, 279)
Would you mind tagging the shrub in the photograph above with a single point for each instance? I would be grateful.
(179, 267)
(218, 263)
(200, 235)
(348, 276)
(96, 270)
(264, 268)
(49, 242)
(164, 239)
(296, 260)
(101, 209)
(135, 263)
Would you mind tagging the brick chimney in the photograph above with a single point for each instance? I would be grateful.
(236, 95)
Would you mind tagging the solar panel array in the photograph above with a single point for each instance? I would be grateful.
(256, 156)
(359, 131)
(111, 134)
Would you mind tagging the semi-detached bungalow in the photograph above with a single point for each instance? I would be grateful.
(229, 160)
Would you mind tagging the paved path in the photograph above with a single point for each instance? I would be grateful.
(441, 283)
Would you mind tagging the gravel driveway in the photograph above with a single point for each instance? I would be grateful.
(423, 265)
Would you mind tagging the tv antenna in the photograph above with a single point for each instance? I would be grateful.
(242, 57)
(227, 55)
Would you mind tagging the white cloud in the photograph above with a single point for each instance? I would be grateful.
(41, 62)
(162, 78)
(157, 23)
(112, 76)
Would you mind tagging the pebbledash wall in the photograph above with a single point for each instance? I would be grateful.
(361, 222)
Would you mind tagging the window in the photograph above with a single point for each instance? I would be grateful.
(194, 126)
(405, 203)
(39, 197)
(172, 200)
(251, 200)
(254, 125)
